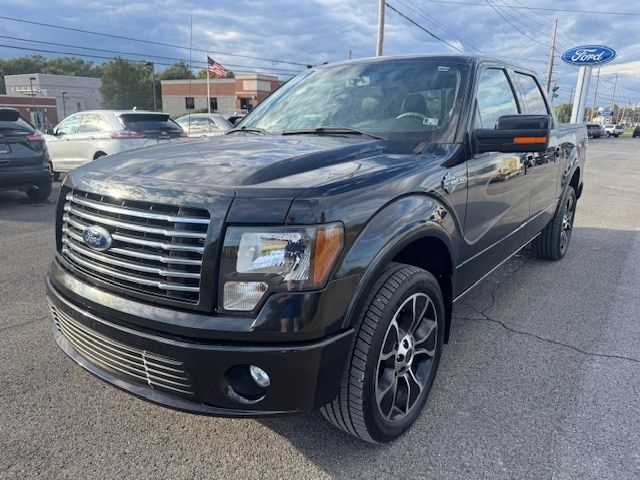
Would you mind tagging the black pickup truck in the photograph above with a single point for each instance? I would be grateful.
(311, 258)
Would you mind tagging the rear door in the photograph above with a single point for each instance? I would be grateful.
(93, 131)
(542, 168)
(498, 189)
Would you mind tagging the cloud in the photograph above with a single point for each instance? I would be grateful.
(315, 31)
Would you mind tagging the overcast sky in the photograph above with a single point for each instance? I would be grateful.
(315, 31)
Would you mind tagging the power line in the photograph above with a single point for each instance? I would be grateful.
(523, 6)
(432, 19)
(545, 9)
(499, 12)
(150, 42)
(423, 28)
(102, 57)
(42, 42)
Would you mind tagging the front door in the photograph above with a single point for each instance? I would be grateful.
(498, 189)
(61, 146)
(542, 168)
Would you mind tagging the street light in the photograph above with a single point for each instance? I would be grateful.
(64, 106)
(33, 104)
(153, 83)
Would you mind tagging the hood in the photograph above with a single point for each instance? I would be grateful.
(246, 160)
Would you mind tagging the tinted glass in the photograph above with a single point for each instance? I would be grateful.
(146, 122)
(400, 99)
(17, 126)
(533, 100)
(495, 98)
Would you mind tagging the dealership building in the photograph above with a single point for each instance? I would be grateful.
(226, 95)
(72, 94)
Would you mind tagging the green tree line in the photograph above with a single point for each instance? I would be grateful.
(125, 84)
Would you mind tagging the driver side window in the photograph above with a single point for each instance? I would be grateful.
(68, 125)
(494, 99)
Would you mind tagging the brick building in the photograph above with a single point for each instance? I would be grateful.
(42, 112)
(227, 95)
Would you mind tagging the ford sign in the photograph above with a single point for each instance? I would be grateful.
(97, 238)
(589, 55)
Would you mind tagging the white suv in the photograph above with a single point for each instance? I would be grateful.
(85, 136)
(613, 130)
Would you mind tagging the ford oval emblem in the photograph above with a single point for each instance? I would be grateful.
(589, 55)
(97, 238)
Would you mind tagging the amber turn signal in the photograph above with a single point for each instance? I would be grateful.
(528, 140)
(328, 246)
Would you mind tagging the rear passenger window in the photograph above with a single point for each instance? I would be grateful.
(495, 98)
(534, 103)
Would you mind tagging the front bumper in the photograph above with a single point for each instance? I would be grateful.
(304, 375)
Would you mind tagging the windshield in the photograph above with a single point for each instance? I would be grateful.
(414, 100)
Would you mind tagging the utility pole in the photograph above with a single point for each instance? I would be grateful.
(613, 95)
(595, 96)
(621, 119)
(552, 54)
(34, 114)
(152, 66)
(380, 39)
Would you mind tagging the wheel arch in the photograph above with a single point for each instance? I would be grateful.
(417, 231)
(99, 154)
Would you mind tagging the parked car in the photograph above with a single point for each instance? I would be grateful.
(204, 124)
(312, 257)
(235, 118)
(636, 132)
(594, 130)
(613, 130)
(24, 163)
(85, 136)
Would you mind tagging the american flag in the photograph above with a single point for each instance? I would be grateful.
(216, 68)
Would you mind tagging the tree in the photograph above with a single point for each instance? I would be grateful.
(126, 84)
(202, 75)
(563, 112)
(177, 71)
(39, 64)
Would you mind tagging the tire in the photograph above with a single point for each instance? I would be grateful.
(98, 155)
(553, 241)
(385, 358)
(39, 193)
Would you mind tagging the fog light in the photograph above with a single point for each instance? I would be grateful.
(243, 296)
(259, 376)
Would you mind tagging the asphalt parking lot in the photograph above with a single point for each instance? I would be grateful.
(541, 378)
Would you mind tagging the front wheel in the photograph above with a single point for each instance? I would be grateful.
(553, 241)
(395, 356)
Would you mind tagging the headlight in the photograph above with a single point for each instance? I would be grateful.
(260, 259)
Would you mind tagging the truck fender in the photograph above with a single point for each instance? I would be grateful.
(394, 227)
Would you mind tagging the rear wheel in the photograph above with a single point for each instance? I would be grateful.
(553, 241)
(394, 359)
(40, 192)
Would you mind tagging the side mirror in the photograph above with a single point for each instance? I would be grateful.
(50, 131)
(514, 133)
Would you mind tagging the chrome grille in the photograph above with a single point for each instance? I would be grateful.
(136, 365)
(157, 249)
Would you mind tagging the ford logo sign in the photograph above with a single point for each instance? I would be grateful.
(589, 55)
(97, 238)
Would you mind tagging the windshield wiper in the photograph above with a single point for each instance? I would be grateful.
(330, 131)
(248, 130)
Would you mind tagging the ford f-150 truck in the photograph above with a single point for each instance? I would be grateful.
(311, 258)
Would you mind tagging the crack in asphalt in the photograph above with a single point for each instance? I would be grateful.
(506, 327)
(17, 325)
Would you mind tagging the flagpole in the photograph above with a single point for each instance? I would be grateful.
(208, 92)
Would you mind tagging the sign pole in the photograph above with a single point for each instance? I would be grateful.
(582, 89)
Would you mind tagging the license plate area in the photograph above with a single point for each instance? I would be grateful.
(5, 148)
